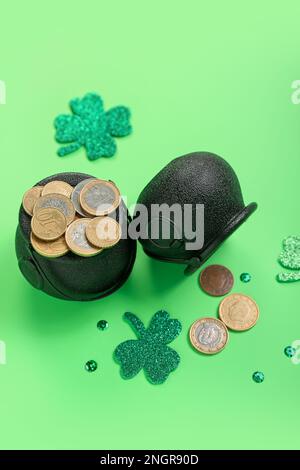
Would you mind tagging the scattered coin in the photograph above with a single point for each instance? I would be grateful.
(58, 187)
(49, 249)
(48, 223)
(75, 196)
(30, 198)
(239, 312)
(77, 241)
(216, 280)
(99, 197)
(208, 335)
(103, 232)
(57, 201)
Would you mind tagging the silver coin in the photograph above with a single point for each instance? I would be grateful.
(99, 197)
(77, 241)
(75, 196)
(208, 335)
(58, 201)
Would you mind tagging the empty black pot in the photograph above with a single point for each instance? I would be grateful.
(195, 178)
(73, 277)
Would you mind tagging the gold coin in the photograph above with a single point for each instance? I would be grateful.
(239, 312)
(77, 241)
(103, 232)
(57, 201)
(99, 197)
(58, 187)
(30, 198)
(48, 224)
(49, 249)
(208, 335)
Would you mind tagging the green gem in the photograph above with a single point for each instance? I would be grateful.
(91, 366)
(245, 277)
(258, 377)
(102, 325)
(289, 351)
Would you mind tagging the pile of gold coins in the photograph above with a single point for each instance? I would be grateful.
(237, 312)
(67, 218)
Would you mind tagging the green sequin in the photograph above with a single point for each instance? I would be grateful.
(91, 127)
(258, 377)
(290, 258)
(245, 277)
(91, 366)
(289, 351)
(150, 351)
(102, 325)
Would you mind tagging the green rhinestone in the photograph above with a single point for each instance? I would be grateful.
(258, 377)
(102, 325)
(91, 366)
(245, 277)
(289, 351)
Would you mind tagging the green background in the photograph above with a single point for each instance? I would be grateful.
(197, 75)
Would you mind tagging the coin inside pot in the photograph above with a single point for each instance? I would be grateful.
(77, 241)
(99, 197)
(56, 201)
(48, 223)
(103, 232)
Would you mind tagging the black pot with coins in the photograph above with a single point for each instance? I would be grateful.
(199, 178)
(71, 240)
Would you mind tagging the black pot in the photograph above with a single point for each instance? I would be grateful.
(73, 277)
(196, 178)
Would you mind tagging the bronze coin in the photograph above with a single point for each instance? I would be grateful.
(103, 232)
(57, 187)
(239, 312)
(49, 249)
(30, 198)
(216, 280)
(48, 223)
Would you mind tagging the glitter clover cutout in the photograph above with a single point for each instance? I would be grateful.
(150, 351)
(91, 127)
(290, 258)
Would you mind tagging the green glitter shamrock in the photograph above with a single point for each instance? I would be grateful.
(91, 127)
(290, 258)
(150, 351)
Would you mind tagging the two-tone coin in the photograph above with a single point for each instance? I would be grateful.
(77, 241)
(58, 187)
(75, 196)
(216, 280)
(239, 312)
(103, 232)
(49, 249)
(48, 223)
(30, 198)
(57, 201)
(208, 335)
(99, 197)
